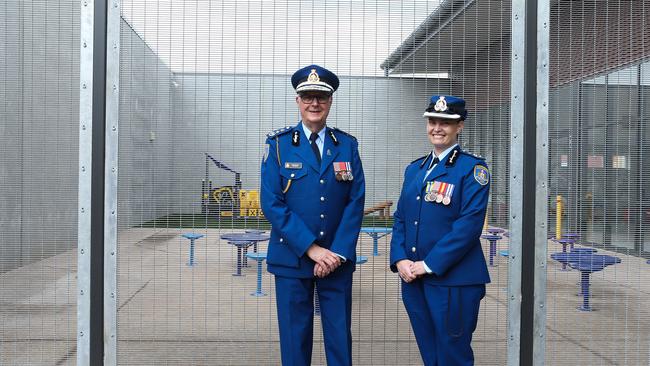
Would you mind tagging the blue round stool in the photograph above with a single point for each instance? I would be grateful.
(493, 246)
(259, 257)
(588, 264)
(192, 237)
(582, 251)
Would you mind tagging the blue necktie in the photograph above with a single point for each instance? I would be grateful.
(314, 147)
(435, 161)
(432, 165)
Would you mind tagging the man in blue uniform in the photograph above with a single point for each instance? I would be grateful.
(312, 192)
(436, 246)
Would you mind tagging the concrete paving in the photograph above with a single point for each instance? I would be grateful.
(171, 313)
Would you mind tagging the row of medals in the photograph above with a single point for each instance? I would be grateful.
(344, 176)
(437, 197)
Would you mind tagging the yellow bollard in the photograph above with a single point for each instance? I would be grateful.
(558, 217)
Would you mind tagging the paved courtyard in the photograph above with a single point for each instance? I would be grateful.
(173, 314)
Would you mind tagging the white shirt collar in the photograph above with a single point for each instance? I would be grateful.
(321, 133)
(442, 156)
(444, 153)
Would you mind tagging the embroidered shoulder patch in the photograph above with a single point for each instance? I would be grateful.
(481, 174)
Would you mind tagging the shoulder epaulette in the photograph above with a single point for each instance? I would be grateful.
(425, 157)
(472, 154)
(278, 132)
(343, 132)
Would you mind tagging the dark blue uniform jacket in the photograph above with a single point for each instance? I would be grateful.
(305, 203)
(446, 237)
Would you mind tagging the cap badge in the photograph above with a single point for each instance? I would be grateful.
(441, 105)
(313, 76)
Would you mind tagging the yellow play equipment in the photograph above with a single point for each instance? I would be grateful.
(249, 203)
(230, 200)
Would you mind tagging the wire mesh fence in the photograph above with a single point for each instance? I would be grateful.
(202, 83)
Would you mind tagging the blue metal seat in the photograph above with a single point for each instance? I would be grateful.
(192, 237)
(493, 246)
(588, 264)
(259, 257)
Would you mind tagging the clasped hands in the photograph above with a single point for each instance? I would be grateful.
(409, 270)
(326, 260)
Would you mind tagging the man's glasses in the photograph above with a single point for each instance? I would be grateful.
(309, 98)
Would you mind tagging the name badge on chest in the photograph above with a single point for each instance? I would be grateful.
(292, 165)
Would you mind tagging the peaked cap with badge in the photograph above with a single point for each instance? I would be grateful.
(446, 107)
(314, 78)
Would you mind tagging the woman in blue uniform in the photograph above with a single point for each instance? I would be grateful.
(436, 246)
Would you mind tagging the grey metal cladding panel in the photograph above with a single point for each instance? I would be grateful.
(145, 165)
(49, 121)
(10, 197)
(10, 66)
(10, 138)
(38, 83)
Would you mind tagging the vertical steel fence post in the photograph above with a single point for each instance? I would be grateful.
(85, 179)
(110, 183)
(528, 182)
(92, 117)
(542, 47)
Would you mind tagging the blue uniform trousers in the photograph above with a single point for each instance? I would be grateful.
(295, 304)
(443, 319)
